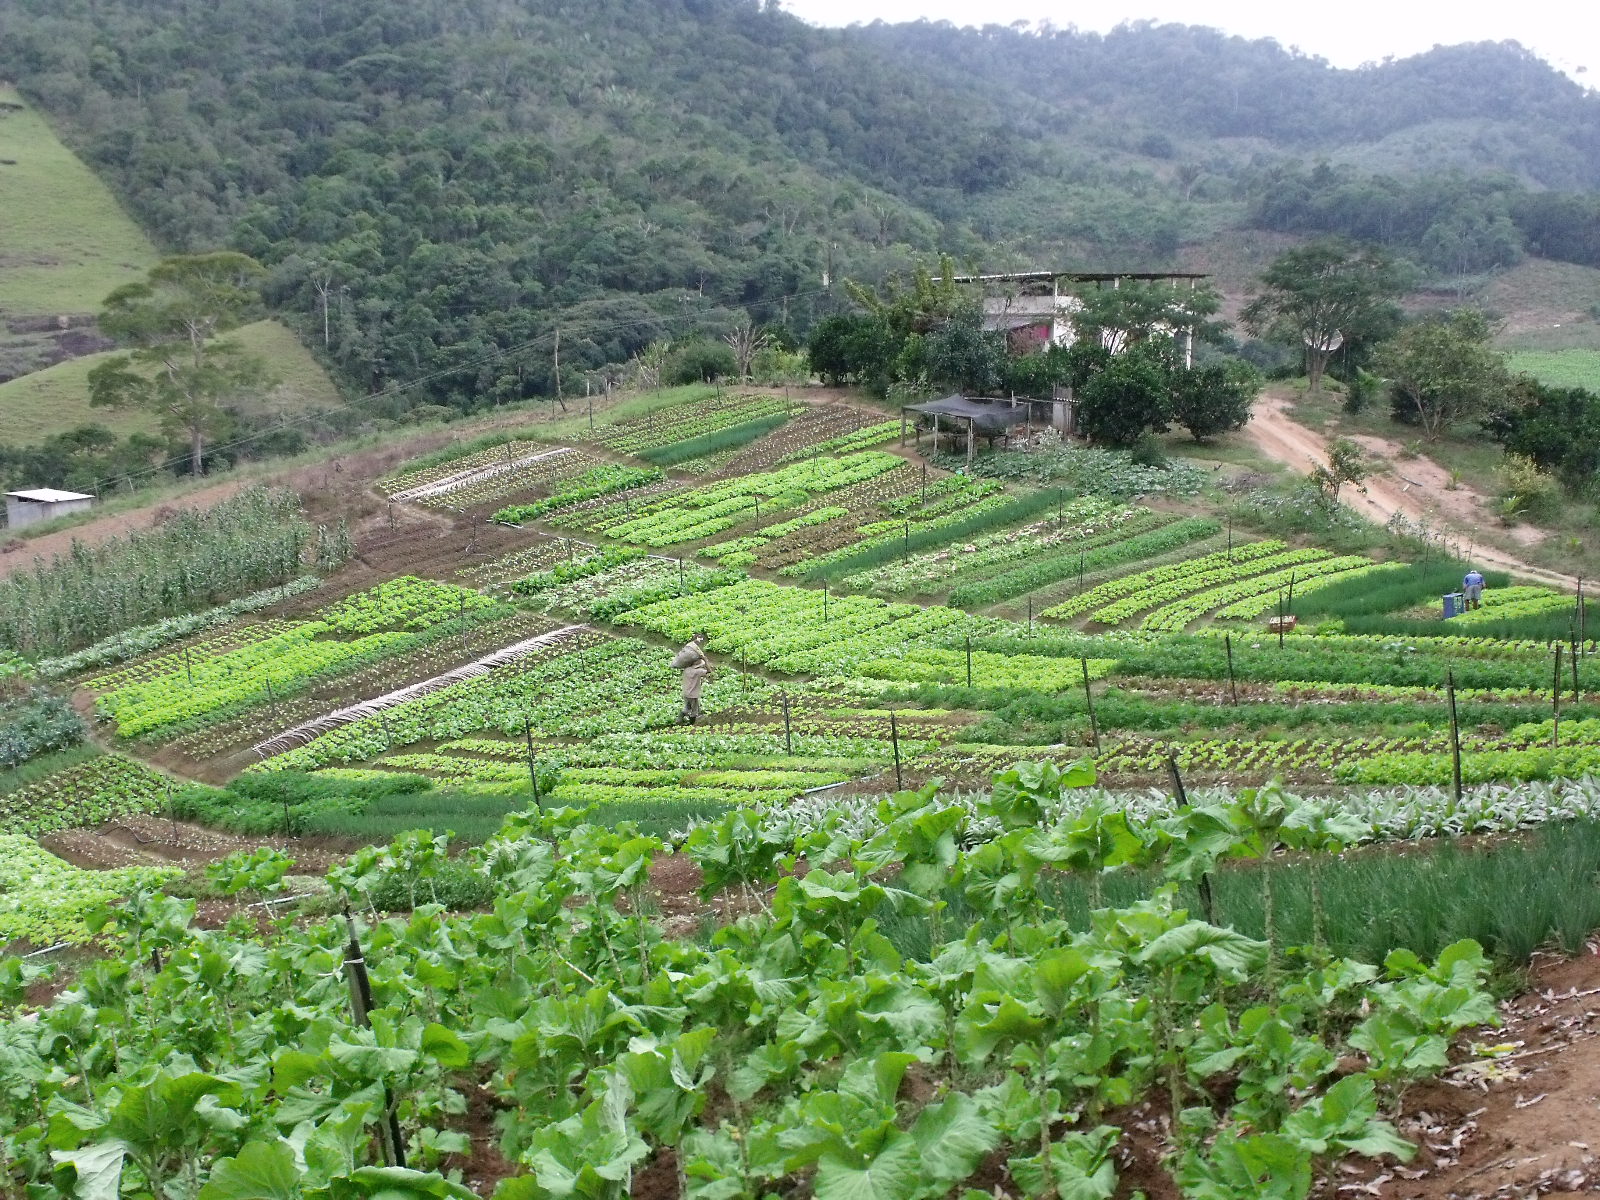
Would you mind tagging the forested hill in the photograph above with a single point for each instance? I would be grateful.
(437, 180)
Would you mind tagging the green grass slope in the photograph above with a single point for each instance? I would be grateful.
(1545, 305)
(51, 401)
(1559, 368)
(64, 241)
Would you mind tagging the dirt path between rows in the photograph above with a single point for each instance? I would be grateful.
(1525, 1125)
(1418, 489)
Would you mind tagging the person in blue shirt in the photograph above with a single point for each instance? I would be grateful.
(1472, 588)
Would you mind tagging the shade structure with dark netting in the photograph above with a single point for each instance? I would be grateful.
(975, 415)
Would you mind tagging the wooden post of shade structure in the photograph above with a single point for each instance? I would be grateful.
(1088, 703)
(1577, 691)
(1233, 686)
(188, 668)
(972, 441)
(1455, 736)
(788, 730)
(894, 740)
(824, 601)
(271, 698)
(680, 575)
(1030, 614)
(388, 737)
(969, 660)
(1280, 619)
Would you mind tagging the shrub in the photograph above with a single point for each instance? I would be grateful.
(1526, 492)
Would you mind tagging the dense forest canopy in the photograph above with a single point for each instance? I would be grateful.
(437, 187)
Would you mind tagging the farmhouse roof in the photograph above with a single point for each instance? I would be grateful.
(1078, 276)
(46, 495)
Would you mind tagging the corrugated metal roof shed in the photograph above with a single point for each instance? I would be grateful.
(46, 495)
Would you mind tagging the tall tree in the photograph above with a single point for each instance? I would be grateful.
(746, 341)
(1138, 310)
(1442, 370)
(180, 368)
(1324, 295)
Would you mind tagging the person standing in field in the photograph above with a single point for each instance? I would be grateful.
(696, 668)
(1472, 588)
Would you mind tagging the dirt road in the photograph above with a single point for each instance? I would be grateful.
(1418, 489)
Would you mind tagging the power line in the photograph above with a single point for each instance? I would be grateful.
(494, 355)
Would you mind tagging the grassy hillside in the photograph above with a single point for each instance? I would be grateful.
(57, 399)
(1561, 368)
(64, 241)
(1545, 305)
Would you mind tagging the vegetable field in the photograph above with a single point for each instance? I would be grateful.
(1011, 853)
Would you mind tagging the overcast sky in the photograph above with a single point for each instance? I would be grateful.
(1347, 33)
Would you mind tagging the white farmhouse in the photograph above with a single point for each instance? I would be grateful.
(41, 504)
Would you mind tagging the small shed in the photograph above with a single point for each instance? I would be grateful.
(41, 504)
(980, 416)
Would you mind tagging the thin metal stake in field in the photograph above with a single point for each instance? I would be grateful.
(1233, 686)
(1208, 899)
(1088, 702)
(355, 965)
(533, 769)
(1455, 735)
(894, 739)
(1555, 703)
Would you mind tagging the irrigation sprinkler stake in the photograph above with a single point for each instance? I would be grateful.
(824, 601)
(1455, 735)
(173, 817)
(1577, 692)
(388, 737)
(1280, 620)
(271, 698)
(894, 740)
(355, 965)
(533, 772)
(1233, 686)
(788, 730)
(680, 576)
(187, 668)
(1088, 703)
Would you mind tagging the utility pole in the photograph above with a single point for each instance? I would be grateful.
(559, 398)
